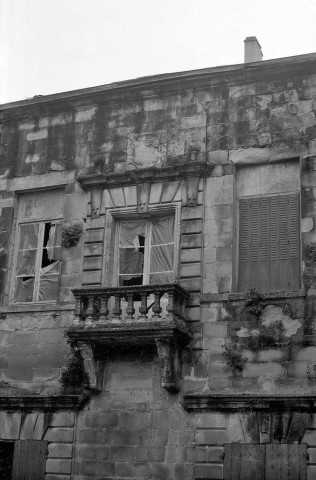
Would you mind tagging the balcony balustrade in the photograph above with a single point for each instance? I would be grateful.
(135, 316)
(98, 306)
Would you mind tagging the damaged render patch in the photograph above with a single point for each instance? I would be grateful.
(270, 318)
(272, 314)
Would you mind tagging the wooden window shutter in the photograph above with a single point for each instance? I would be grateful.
(269, 241)
(29, 460)
(286, 461)
(265, 462)
(244, 462)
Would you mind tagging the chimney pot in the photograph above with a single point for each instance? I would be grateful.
(253, 51)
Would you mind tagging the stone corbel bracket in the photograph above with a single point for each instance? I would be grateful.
(170, 366)
(92, 366)
(169, 336)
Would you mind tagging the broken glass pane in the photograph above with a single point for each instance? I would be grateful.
(130, 231)
(25, 264)
(24, 289)
(131, 262)
(162, 230)
(160, 278)
(51, 244)
(48, 282)
(28, 236)
(161, 258)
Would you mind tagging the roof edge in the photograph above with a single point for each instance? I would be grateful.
(151, 79)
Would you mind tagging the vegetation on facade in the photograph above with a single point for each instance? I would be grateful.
(233, 356)
(71, 235)
(73, 377)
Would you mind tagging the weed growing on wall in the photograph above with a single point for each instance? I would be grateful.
(233, 356)
(71, 235)
(73, 376)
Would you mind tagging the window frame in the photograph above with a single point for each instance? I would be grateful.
(110, 277)
(39, 252)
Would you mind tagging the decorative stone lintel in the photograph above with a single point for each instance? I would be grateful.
(230, 402)
(149, 175)
(45, 403)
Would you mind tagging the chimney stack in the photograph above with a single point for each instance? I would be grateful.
(253, 51)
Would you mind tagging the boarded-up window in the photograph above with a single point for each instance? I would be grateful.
(269, 243)
(29, 460)
(265, 462)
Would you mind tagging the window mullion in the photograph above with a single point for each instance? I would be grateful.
(38, 262)
(147, 252)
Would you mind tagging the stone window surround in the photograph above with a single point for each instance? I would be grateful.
(240, 194)
(110, 240)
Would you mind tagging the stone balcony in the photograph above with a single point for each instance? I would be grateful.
(136, 316)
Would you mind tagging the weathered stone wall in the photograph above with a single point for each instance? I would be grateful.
(133, 429)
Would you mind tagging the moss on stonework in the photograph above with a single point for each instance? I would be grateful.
(233, 356)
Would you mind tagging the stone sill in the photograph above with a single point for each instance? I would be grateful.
(241, 296)
(35, 307)
(49, 403)
(231, 402)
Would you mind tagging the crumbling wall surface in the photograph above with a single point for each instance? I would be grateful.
(133, 429)
(237, 123)
(33, 351)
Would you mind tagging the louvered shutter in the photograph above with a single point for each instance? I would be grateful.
(269, 236)
(29, 460)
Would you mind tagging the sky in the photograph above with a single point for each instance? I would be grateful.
(51, 46)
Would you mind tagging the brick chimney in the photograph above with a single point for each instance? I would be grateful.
(253, 51)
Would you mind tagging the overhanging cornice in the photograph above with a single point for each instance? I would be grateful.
(47, 403)
(231, 402)
(151, 175)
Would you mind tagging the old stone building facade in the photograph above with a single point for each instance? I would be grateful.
(157, 277)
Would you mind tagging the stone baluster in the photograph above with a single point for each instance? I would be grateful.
(143, 306)
(104, 308)
(90, 310)
(156, 307)
(84, 308)
(78, 310)
(130, 310)
(171, 303)
(117, 311)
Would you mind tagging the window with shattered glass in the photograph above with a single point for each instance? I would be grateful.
(146, 251)
(37, 262)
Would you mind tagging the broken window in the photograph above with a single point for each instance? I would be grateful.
(146, 251)
(37, 262)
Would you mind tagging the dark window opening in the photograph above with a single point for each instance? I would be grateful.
(138, 279)
(46, 260)
(6, 460)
